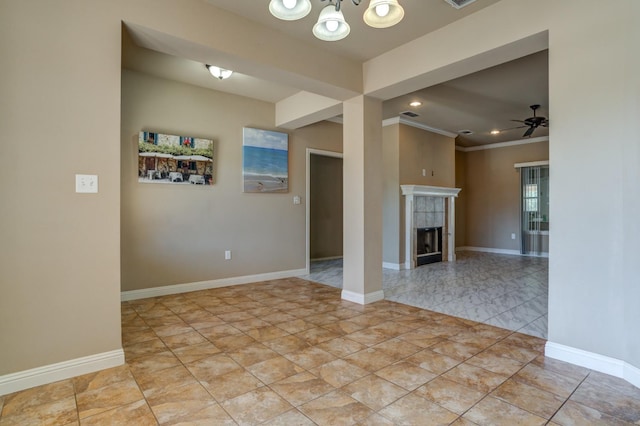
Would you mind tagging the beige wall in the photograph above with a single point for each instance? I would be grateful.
(492, 194)
(172, 234)
(59, 116)
(325, 207)
(461, 201)
(407, 151)
(362, 228)
(421, 149)
(391, 194)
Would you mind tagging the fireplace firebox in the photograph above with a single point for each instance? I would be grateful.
(428, 245)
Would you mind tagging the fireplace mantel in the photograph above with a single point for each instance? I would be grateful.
(429, 191)
(412, 191)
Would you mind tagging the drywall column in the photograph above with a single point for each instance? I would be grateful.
(451, 229)
(362, 171)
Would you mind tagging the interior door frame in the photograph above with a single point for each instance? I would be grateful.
(310, 152)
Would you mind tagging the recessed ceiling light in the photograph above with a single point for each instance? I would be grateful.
(495, 132)
(415, 104)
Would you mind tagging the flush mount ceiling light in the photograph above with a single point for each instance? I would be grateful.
(331, 25)
(219, 73)
(415, 104)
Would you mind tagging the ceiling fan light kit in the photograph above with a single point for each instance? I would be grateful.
(331, 25)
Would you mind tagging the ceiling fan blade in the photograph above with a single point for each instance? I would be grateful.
(513, 128)
(528, 132)
(517, 121)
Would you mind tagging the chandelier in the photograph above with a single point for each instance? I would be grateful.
(331, 25)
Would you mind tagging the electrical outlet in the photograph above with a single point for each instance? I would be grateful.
(227, 255)
(87, 184)
(424, 172)
(513, 236)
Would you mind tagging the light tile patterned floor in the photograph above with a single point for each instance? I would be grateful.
(502, 290)
(291, 352)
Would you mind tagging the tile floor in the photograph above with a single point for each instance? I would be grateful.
(291, 352)
(502, 290)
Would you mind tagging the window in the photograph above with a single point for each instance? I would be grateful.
(150, 138)
(535, 208)
(530, 197)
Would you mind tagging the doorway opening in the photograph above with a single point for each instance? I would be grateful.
(323, 206)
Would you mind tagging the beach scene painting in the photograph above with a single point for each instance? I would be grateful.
(265, 160)
(172, 159)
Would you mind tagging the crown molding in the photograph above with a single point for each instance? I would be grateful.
(400, 120)
(502, 144)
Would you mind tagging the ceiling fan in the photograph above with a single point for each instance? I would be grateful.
(532, 123)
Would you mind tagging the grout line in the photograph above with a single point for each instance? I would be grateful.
(569, 397)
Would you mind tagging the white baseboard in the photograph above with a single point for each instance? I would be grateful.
(21, 380)
(363, 299)
(320, 259)
(205, 285)
(593, 361)
(499, 251)
(489, 250)
(394, 266)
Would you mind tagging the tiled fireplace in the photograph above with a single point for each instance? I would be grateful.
(428, 245)
(429, 224)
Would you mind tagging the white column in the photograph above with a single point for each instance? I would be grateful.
(362, 182)
(451, 230)
(410, 235)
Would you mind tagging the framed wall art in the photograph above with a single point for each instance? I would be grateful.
(265, 160)
(171, 159)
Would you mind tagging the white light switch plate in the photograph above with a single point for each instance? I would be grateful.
(87, 184)
(296, 199)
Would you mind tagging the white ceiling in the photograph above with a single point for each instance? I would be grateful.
(479, 102)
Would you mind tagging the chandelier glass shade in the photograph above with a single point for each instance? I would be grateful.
(290, 10)
(383, 13)
(331, 25)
